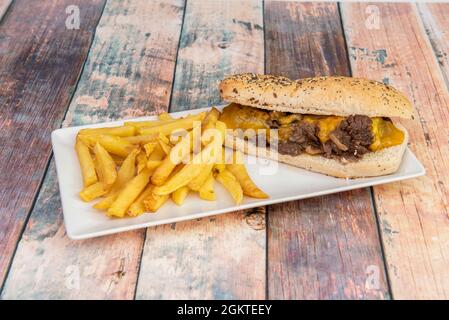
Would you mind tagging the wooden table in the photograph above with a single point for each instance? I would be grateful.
(137, 57)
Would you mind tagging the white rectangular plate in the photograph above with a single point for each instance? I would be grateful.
(287, 184)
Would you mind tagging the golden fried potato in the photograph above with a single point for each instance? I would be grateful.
(248, 186)
(199, 180)
(153, 164)
(227, 179)
(150, 146)
(154, 202)
(147, 123)
(138, 206)
(142, 139)
(206, 191)
(170, 126)
(106, 167)
(118, 160)
(122, 131)
(176, 155)
(209, 122)
(126, 172)
(237, 168)
(141, 161)
(165, 146)
(93, 191)
(130, 193)
(106, 203)
(208, 155)
(86, 163)
(157, 153)
(113, 144)
(179, 195)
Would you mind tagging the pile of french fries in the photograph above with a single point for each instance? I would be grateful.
(137, 167)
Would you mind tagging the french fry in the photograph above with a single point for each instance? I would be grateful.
(129, 193)
(165, 116)
(138, 206)
(105, 203)
(157, 153)
(227, 179)
(220, 165)
(86, 163)
(142, 139)
(165, 146)
(141, 161)
(179, 195)
(126, 172)
(118, 160)
(176, 155)
(149, 147)
(122, 131)
(151, 167)
(210, 119)
(208, 155)
(113, 144)
(147, 123)
(249, 187)
(153, 164)
(105, 164)
(93, 191)
(163, 138)
(172, 125)
(206, 191)
(154, 202)
(199, 180)
(209, 122)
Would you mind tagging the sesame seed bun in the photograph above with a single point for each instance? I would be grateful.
(341, 96)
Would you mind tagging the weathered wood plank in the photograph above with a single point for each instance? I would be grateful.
(413, 214)
(40, 61)
(435, 17)
(223, 256)
(129, 72)
(320, 248)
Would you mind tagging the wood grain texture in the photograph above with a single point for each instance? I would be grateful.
(222, 257)
(129, 72)
(327, 247)
(40, 61)
(215, 46)
(435, 17)
(413, 214)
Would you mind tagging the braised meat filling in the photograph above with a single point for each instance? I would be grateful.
(351, 139)
(343, 138)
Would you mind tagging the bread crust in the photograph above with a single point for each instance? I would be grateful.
(372, 164)
(342, 96)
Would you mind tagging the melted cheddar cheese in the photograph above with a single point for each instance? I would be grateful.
(242, 117)
(326, 125)
(385, 134)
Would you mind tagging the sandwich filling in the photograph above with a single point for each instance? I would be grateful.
(343, 138)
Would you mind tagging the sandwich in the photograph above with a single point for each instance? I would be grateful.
(338, 126)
